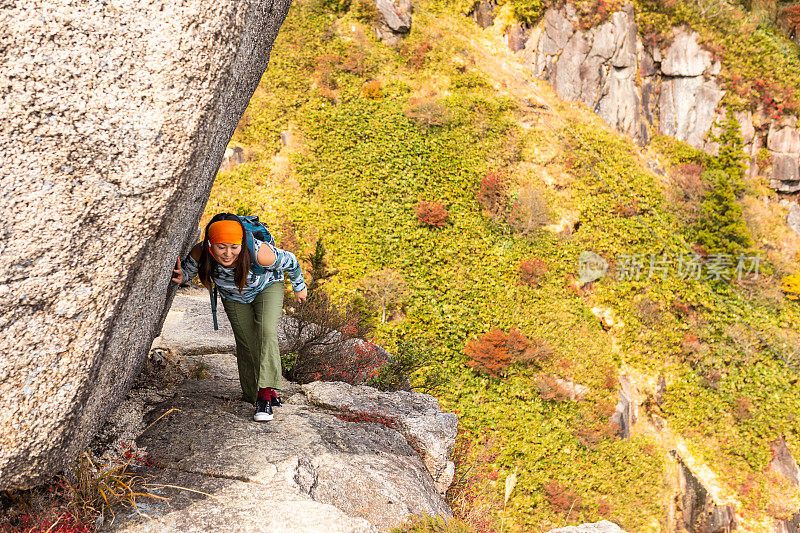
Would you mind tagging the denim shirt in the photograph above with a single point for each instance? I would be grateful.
(223, 277)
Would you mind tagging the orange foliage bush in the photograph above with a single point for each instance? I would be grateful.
(372, 89)
(432, 214)
(496, 350)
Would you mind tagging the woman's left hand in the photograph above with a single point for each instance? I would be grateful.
(301, 296)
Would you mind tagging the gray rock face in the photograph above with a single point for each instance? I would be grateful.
(483, 13)
(115, 120)
(416, 416)
(784, 146)
(597, 67)
(395, 19)
(517, 37)
(698, 511)
(609, 69)
(604, 526)
(783, 462)
(625, 414)
(687, 108)
(634, 87)
(685, 57)
(792, 525)
(793, 218)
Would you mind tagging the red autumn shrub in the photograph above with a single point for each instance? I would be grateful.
(471, 496)
(418, 55)
(491, 194)
(432, 214)
(562, 499)
(531, 271)
(604, 507)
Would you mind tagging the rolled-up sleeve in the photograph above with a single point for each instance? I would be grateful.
(287, 262)
(190, 268)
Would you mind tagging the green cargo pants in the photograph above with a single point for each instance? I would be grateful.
(255, 329)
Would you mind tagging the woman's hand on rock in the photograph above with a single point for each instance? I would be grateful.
(301, 295)
(177, 274)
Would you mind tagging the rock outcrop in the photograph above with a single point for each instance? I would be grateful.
(793, 218)
(696, 509)
(602, 68)
(783, 462)
(637, 88)
(783, 143)
(395, 20)
(415, 416)
(115, 120)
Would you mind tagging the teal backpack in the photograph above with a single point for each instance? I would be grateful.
(253, 229)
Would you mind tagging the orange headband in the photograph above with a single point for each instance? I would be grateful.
(227, 231)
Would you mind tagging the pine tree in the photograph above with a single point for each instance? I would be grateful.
(723, 230)
(731, 159)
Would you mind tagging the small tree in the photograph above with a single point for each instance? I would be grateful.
(319, 272)
(722, 228)
(429, 113)
(432, 214)
(326, 343)
(386, 287)
(529, 212)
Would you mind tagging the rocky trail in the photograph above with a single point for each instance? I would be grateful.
(335, 457)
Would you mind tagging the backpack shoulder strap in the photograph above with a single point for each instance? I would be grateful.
(213, 294)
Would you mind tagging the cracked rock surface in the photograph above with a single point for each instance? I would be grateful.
(324, 463)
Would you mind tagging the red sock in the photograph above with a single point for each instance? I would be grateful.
(266, 393)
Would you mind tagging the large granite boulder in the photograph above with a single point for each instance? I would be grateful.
(115, 119)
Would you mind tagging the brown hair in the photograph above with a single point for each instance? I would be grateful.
(208, 265)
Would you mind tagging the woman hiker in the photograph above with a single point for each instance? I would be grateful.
(253, 302)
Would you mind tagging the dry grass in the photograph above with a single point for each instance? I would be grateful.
(78, 500)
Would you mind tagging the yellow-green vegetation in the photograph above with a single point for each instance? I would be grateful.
(374, 131)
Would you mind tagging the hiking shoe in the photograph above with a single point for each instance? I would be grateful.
(276, 402)
(263, 410)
